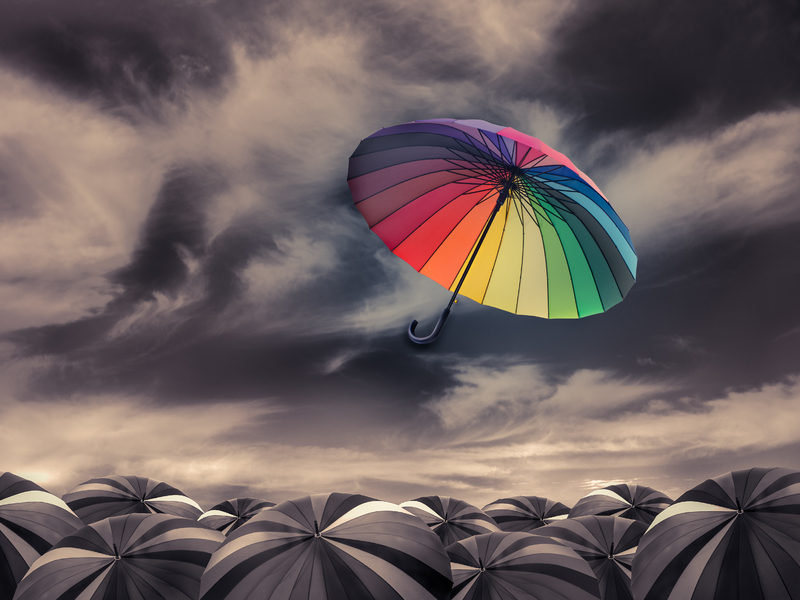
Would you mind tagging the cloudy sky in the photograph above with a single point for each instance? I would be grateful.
(187, 292)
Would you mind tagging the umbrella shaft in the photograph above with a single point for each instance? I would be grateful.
(500, 201)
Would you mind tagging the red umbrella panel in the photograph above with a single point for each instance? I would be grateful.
(31, 521)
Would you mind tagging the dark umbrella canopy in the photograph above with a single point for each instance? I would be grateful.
(608, 544)
(31, 521)
(116, 495)
(525, 513)
(629, 501)
(519, 566)
(733, 537)
(228, 516)
(131, 557)
(330, 547)
(451, 519)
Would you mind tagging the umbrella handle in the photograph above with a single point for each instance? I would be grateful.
(429, 338)
(434, 334)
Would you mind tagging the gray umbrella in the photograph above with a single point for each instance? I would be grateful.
(330, 547)
(608, 544)
(733, 537)
(519, 566)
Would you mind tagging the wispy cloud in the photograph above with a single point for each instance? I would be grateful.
(738, 177)
(499, 431)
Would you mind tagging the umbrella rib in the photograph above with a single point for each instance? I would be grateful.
(481, 201)
(518, 208)
(494, 264)
(501, 199)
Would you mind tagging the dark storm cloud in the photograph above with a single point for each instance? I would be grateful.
(420, 47)
(645, 66)
(173, 232)
(189, 354)
(707, 317)
(176, 223)
(129, 55)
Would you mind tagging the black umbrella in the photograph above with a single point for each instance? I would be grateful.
(231, 514)
(525, 513)
(330, 547)
(450, 518)
(31, 521)
(116, 495)
(131, 557)
(626, 500)
(508, 565)
(608, 544)
(733, 537)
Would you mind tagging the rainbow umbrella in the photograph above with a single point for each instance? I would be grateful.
(116, 495)
(329, 547)
(493, 214)
(131, 557)
(31, 521)
(733, 537)
(525, 513)
(608, 544)
(630, 501)
(515, 565)
(451, 519)
(229, 515)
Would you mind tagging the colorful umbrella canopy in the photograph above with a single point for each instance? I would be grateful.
(330, 547)
(733, 537)
(515, 565)
(431, 191)
(451, 519)
(228, 516)
(623, 500)
(116, 495)
(131, 557)
(608, 544)
(525, 513)
(31, 521)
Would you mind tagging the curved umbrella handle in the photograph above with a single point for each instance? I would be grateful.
(434, 334)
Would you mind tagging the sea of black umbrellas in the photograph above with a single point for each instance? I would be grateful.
(732, 537)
